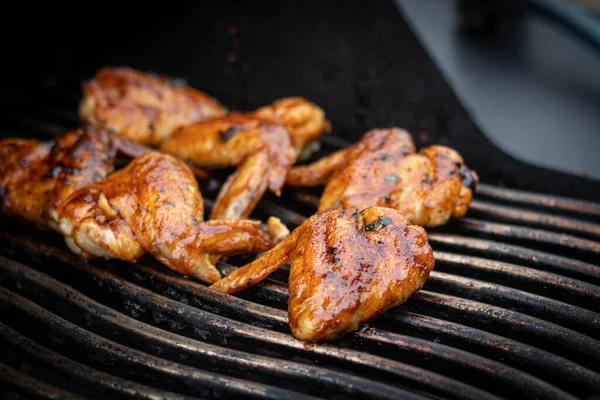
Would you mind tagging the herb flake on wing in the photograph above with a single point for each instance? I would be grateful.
(378, 223)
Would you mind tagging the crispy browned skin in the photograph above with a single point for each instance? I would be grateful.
(345, 269)
(142, 107)
(428, 187)
(37, 176)
(154, 205)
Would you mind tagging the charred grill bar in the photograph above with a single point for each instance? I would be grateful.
(511, 311)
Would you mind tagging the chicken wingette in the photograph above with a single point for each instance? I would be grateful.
(428, 187)
(345, 269)
(142, 107)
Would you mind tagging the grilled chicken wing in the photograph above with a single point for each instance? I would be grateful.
(37, 176)
(264, 143)
(263, 151)
(333, 287)
(428, 187)
(142, 107)
(154, 205)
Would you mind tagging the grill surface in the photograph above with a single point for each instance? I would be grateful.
(511, 311)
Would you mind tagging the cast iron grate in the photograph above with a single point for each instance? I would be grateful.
(510, 311)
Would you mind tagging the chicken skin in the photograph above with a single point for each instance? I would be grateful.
(264, 144)
(382, 168)
(263, 152)
(154, 205)
(37, 176)
(142, 107)
(333, 287)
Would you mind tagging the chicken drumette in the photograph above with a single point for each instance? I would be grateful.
(345, 269)
(264, 144)
(154, 205)
(382, 168)
(142, 107)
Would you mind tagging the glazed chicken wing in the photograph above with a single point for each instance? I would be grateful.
(263, 151)
(142, 107)
(37, 176)
(428, 187)
(264, 144)
(154, 205)
(345, 269)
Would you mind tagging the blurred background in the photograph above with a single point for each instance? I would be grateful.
(513, 85)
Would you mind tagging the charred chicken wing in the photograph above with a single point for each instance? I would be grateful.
(142, 107)
(154, 205)
(36, 177)
(345, 269)
(428, 187)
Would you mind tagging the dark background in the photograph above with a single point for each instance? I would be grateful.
(357, 59)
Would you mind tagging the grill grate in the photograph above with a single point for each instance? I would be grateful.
(511, 310)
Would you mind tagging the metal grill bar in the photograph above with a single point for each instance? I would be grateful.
(81, 373)
(30, 387)
(158, 371)
(555, 286)
(532, 258)
(552, 222)
(540, 363)
(533, 237)
(587, 208)
(517, 300)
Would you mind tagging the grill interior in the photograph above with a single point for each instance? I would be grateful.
(511, 310)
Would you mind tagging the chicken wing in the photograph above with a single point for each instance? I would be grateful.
(263, 151)
(264, 144)
(37, 176)
(154, 205)
(333, 287)
(428, 187)
(142, 107)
